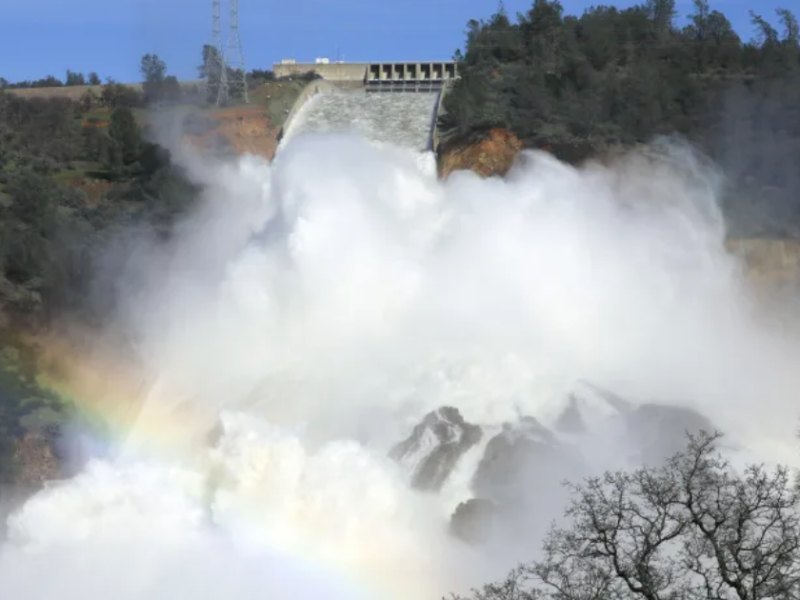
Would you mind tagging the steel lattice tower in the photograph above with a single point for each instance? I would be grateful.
(224, 65)
(237, 80)
(216, 75)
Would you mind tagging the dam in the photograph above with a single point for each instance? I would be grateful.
(407, 76)
(401, 119)
(342, 100)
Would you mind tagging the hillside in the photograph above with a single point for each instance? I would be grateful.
(610, 78)
(77, 164)
(74, 92)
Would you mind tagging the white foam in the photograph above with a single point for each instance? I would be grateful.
(326, 303)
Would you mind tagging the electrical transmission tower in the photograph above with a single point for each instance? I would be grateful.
(225, 75)
(237, 84)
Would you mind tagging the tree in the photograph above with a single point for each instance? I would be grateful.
(765, 32)
(791, 29)
(94, 78)
(153, 71)
(171, 89)
(691, 529)
(119, 95)
(88, 100)
(33, 197)
(74, 78)
(211, 71)
(125, 137)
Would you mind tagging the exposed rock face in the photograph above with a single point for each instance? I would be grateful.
(492, 156)
(518, 481)
(768, 264)
(237, 130)
(473, 520)
(659, 431)
(653, 431)
(589, 408)
(571, 419)
(524, 456)
(435, 446)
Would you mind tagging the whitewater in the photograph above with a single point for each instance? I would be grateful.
(313, 310)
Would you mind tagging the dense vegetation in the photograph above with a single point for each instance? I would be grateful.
(610, 77)
(73, 169)
(64, 178)
(79, 161)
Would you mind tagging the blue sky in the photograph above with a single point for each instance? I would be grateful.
(46, 37)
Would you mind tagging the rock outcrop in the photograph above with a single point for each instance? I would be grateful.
(658, 431)
(523, 458)
(435, 446)
(768, 264)
(517, 482)
(474, 520)
(494, 155)
(238, 130)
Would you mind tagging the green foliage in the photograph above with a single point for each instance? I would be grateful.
(32, 197)
(74, 78)
(625, 75)
(211, 70)
(24, 405)
(48, 81)
(72, 172)
(49, 229)
(117, 95)
(125, 138)
(154, 72)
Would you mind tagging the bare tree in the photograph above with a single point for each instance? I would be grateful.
(690, 529)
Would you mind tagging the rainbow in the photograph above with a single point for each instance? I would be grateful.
(111, 396)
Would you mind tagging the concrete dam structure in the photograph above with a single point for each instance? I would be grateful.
(341, 101)
(403, 119)
(377, 76)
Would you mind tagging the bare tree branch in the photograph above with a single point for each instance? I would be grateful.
(690, 529)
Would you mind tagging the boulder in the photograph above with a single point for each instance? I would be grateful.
(473, 520)
(492, 155)
(525, 457)
(435, 446)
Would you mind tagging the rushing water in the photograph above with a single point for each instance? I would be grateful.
(401, 119)
(320, 306)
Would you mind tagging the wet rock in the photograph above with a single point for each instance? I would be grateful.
(659, 431)
(494, 155)
(571, 420)
(524, 458)
(435, 446)
(588, 408)
(473, 520)
(653, 430)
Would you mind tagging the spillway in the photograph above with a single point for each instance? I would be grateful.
(401, 119)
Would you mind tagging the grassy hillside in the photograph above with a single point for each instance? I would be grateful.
(77, 164)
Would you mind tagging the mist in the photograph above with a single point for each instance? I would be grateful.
(312, 311)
